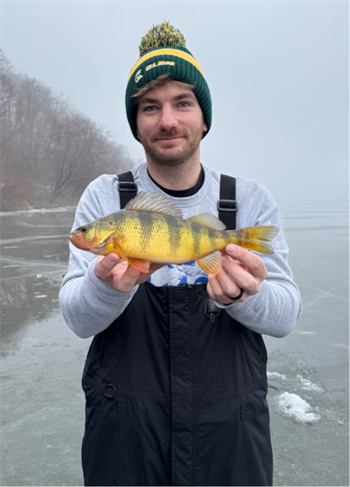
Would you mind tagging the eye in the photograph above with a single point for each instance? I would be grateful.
(83, 229)
(184, 104)
(110, 223)
(150, 108)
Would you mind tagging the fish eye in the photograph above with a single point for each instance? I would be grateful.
(83, 229)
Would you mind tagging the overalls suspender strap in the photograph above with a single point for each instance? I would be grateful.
(127, 188)
(227, 204)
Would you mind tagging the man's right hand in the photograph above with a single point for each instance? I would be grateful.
(120, 275)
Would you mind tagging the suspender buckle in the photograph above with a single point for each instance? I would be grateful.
(127, 186)
(227, 205)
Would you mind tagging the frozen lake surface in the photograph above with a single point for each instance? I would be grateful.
(41, 360)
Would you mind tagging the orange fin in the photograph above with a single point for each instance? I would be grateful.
(210, 264)
(153, 202)
(208, 220)
(140, 264)
(113, 246)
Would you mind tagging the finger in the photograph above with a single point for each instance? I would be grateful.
(155, 267)
(105, 265)
(239, 276)
(152, 268)
(213, 287)
(125, 277)
(233, 277)
(247, 259)
(222, 288)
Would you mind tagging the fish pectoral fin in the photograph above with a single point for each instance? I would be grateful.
(113, 246)
(210, 264)
(104, 243)
(139, 264)
(208, 220)
(147, 201)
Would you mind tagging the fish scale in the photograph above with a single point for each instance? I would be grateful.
(159, 238)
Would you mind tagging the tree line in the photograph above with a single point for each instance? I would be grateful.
(49, 151)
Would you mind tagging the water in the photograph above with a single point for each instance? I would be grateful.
(41, 360)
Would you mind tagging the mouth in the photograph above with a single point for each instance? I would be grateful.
(167, 140)
(77, 242)
(91, 245)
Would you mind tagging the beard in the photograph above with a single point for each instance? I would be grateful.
(162, 156)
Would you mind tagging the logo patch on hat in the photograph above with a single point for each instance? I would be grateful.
(138, 76)
(160, 63)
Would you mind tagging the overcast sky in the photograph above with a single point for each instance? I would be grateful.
(278, 72)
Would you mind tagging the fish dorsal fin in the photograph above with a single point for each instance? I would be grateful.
(147, 201)
(208, 220)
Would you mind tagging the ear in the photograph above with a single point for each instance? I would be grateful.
(204, 129)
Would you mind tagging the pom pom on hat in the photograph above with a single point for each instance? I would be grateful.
(161, 35)
(163, 51)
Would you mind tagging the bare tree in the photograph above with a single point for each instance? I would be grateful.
(48, 144)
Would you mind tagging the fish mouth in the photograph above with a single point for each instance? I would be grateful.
(78, 243)
(89, 245)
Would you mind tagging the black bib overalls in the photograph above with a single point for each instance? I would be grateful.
(176, 395)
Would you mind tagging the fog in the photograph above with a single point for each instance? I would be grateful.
(278, 74)
(277, 71)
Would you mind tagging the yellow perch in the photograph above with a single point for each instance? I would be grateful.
(151, 229)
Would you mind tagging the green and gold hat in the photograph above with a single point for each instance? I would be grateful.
(163, 51)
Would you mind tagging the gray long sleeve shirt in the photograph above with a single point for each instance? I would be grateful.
(89, 305)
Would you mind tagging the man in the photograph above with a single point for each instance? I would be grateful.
(175, 379)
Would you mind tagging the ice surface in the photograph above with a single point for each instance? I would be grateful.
(273, 375)
(294, 406)
(42, 403)
(61, 209)
(307, 385)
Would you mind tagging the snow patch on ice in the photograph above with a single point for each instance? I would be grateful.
(296, 408)
(273, 375)
(60, 209)
(307, 385)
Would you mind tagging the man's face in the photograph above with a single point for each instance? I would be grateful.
(170, 124)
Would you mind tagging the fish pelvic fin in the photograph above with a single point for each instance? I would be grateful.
(210, 264)
(255, 238)
(139, 264)
(114, 246)
(147, 201)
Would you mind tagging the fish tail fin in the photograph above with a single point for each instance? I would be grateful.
(254, 238)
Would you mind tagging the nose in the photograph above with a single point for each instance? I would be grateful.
(168, 120)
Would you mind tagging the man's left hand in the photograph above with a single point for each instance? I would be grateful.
(241, 269)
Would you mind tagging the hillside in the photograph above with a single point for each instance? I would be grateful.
(49, 150)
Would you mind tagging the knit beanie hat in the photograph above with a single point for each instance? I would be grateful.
(163, 51)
